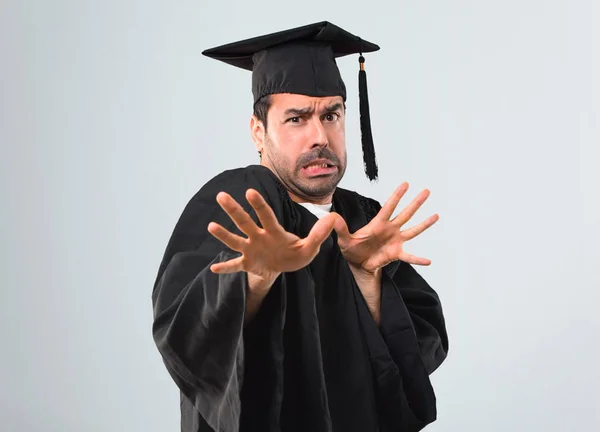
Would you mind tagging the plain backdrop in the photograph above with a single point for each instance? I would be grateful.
(111, 119)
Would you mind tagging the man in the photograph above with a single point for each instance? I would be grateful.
(269, 314)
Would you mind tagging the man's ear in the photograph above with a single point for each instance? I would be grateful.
(257, 131)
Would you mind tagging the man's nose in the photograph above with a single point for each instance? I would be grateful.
(318, 135)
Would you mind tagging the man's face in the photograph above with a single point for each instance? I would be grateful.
(305, 144)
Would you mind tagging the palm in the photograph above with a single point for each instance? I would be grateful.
(269, 250)
(381, 241)
(278, 251)
(372, 246)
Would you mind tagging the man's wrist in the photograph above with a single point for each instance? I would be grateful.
(258, 288)
(259, 284)
(369, 284)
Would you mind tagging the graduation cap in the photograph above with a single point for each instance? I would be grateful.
(302, 61)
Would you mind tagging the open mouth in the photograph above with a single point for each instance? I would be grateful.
(321, 165)
(319, 168)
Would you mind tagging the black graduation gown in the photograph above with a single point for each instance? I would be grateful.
(312, 359)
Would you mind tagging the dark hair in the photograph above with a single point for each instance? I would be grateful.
(261, 107)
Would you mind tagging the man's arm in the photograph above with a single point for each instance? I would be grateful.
(198, 330)
(379, 245)
(406, 291)
(219, 266)
(409, 304)
(401, 317)
(369, 284)
(258, 288)
(199, 315)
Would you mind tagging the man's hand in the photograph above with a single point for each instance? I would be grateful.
(381, 241)
(268, 251)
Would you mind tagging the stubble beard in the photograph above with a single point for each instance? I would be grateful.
(291, 178)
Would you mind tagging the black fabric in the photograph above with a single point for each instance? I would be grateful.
(313, 358)
(306, 68)
(299, 60)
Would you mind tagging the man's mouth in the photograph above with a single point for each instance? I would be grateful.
(322, 165)
(319, 168)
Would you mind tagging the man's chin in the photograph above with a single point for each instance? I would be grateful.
(317, 186)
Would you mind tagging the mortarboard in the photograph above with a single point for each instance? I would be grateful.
(302, 61)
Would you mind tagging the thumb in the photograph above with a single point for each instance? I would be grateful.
(321, 230)
(340, 227)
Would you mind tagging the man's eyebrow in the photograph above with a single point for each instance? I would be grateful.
(309, 110)
(334, 107)
(298, 111)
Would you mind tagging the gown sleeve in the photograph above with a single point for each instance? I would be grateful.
(408, 302)
(199, 315)
(410, 344)
(405, 293)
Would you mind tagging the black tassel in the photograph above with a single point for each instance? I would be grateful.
(365, 123)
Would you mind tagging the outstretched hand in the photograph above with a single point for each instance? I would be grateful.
(381, 241)
(270, 250)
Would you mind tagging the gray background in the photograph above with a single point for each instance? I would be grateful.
(111, 120)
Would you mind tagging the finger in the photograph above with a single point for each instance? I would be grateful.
(231, 266)
(320, 230)
(412, 259)
(390, 205)
(231, 240)
(412, 208)
(418, 229)
(237, 214)
(264, 212)
(340, 227)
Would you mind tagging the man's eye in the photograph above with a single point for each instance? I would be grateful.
(294, 119)
(331, 117)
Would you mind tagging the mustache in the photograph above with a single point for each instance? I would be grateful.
(322, 153)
